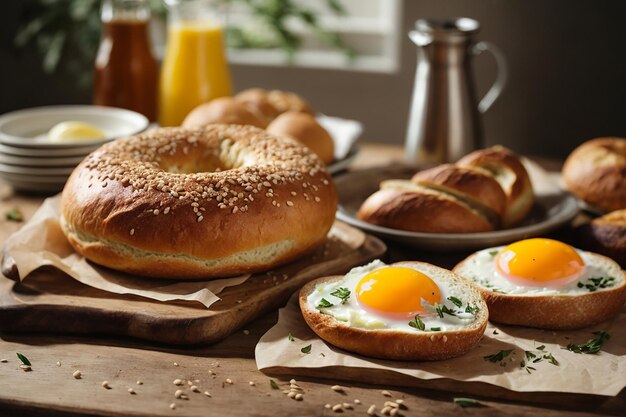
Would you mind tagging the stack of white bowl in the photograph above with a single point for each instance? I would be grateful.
(29, 161)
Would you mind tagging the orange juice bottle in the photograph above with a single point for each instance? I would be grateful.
(195, 69)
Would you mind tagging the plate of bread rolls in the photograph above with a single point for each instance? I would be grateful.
(284, 113)
(487, 198)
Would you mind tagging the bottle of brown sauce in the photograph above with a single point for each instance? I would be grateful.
(126, 73)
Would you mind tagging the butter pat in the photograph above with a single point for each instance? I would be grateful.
(72, 131)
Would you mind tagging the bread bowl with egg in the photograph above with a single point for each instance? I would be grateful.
(403, 311)
(546, 284)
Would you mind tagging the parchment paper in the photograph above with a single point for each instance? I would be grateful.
(601, 374)
(41, 242)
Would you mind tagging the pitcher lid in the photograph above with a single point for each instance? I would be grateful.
(460, 27)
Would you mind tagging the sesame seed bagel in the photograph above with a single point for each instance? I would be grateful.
(398, 344)
(198, 203)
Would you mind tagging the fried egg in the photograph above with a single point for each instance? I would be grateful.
(406, 297)
(540, 266)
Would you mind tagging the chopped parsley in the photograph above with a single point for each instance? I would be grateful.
(324, 303)
(442, 309)
(493, 253)
(539, 355)
(341, 293)
(14, 215)
(290, 337)
(23, 358)
(417, 323)
(467, 402)
(591, 346)
(306, 349)
(498, 357)
(455, 301)
(273, 384)
(472, 310)
(592, 284)
(435, 329)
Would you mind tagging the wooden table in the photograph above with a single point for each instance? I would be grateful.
(50, 388)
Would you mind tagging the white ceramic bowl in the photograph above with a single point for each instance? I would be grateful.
(27, 128)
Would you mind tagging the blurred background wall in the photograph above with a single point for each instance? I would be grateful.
(566, 58)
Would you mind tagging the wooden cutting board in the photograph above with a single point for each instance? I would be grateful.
(51, 302)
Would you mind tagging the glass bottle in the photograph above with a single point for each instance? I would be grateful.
(195, 69)
(126, 73)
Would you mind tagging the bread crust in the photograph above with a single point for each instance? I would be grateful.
(223, 110)
(519, 191)
(555, 312)
(305, 129)
(421, 210)
(124, 209)
(469, 182)
(606, 235)
(394, 344)
(596, 173)
(255, 99)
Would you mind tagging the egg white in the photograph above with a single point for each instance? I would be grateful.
(481, 269)
(352, 314)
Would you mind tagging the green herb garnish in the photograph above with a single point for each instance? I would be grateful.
(290, 337)
(306, 349)
(455, 301)
(498, 357)
(417, 323)
(324, 303)
(23, 358)
(341, 293)
(435, 329)
(472, 310)
(592, 346)
(14, 215)
(592, 284)
(493, 252)
(467, 402)
(273, 384)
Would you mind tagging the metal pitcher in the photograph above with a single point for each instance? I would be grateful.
(445, 119)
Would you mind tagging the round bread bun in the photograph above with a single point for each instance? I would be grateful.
(255, 99)
(403, 205)
(472, 185)
(509, 172)
(595, 172)
(556, 312)
(304, 128)
(286, 101)
(223, 110)
(606, 235)
(398, 344)
(198, 203)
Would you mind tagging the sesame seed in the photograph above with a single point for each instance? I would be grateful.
(372, 410)
(207, 393)
(4, 360)
(77, 374)
(251, 383)
(139, 382)
(293, 193)
(131, 391)
(229, 381)
(317, 199)
(291, 394)
(386, 410)
(25, 368)
(235, 209)
(132, 232)
(394, 412)
(194, 388)
(445, 338)
(199, 219)
(178, 382)
(58, 363)
(290, 203)
(175, 363)
(172, 406)
(105, 385)
(337, 408)
(327, 406)
(400, 401)
(348, 406)
(299, 397)
(356, 401)
(391, 404)
(179, 393)
(155, 212)
(166, 210)
(386, 393)
(337, 388)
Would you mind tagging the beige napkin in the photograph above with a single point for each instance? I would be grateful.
(600, 374)
(343, 131)
(41, 242)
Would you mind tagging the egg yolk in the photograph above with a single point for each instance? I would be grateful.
(540, 263)
(396, 292)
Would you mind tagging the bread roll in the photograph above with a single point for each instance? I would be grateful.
(286, 101)
(595, 172)
(407, 206)
(606, 235)
(223, 110)
(255, 100)
(509, 172)
(305, 129)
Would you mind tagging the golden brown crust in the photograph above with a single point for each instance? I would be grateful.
(255, 100)
(507, 169)
(426, 210)
(223, 110)
(153, 204)
(607, 235)
(596, 173)
(286, 101)
(393, 344)
(469, 182)
(305, 129)
(557, 312)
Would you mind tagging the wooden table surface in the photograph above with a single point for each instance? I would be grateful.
(50, 389)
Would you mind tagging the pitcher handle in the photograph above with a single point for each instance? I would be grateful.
(501, 78)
